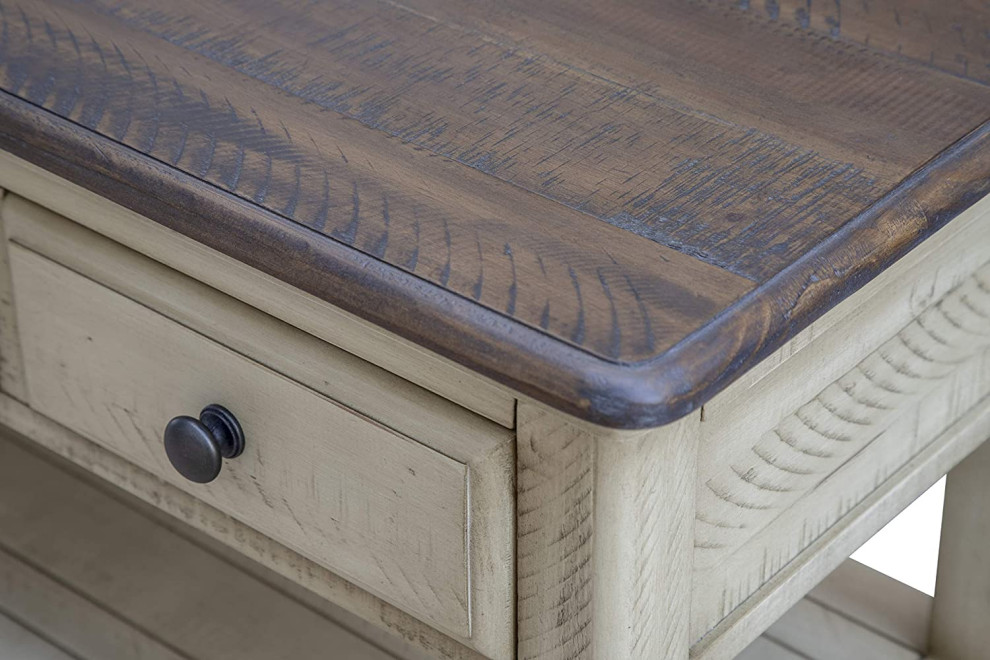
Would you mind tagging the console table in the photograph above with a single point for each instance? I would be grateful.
(594, 329)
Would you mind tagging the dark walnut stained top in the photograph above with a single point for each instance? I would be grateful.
(615, 207)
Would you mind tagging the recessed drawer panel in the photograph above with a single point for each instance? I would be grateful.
(356, 497)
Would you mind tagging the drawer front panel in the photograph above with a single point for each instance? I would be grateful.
(379, 508)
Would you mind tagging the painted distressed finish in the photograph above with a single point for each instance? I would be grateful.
(259, 552)
(368, 343)
(870, 493)
(808, 445)
(99, 614)
(618, 240)
(790, 527)
(764, 502)
(962, 586)
(603, 550)
(347, 493)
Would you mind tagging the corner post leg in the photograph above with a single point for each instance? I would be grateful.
(961, 620)
(604, 538)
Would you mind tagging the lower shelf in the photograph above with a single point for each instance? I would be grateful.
(16, 641)
(855, 612)
(89, 575)
(89, 572)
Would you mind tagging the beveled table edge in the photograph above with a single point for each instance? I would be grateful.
(610, 394)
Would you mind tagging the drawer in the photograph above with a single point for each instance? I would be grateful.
(419, 526)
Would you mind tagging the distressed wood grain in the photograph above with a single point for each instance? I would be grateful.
(255, 549)
(807, 446)
(318, 477)
(867, 506)
(619, 240)
(846, 102)
(823, 518)
(781, 474)
(733, 581)
(284, 142)
(333, 326)
(951, 35)
(603, 534)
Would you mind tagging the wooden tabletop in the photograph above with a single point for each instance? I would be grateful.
(615, 207)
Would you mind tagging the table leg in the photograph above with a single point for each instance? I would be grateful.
(961, 621)
(605, 539)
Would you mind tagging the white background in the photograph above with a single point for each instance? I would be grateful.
(907, 548)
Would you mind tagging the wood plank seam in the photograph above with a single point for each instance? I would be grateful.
(890, 28)
(177, 526)
(205, 605)
(47, 574)
(39, 633)
(461, 249)
(856, 613)
(863, 624)
(878, 602)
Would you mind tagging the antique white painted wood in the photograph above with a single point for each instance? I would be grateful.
(798, 463)
(808, 455)
(604, 539)
(841, 620)
(689, 539)
(961, 621)
(16, 641)
(358, 384)
(381, 509)
(253, 545)
(480, 451)
(258, 290)
(131, 589)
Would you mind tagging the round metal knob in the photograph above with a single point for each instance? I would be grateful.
(196, 447)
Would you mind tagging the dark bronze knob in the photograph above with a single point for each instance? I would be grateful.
(197, 447)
